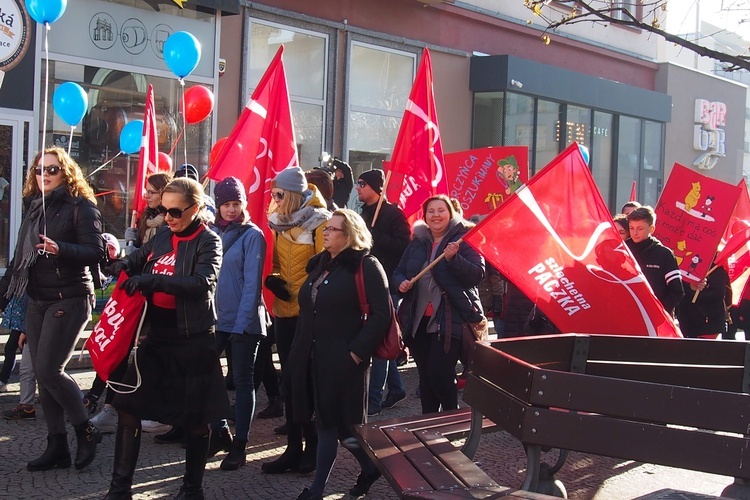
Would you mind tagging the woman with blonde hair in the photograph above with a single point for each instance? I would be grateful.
(333, 347)
(60, 240)
(297, 222)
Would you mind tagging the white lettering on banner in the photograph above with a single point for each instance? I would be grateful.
(429, 125)
(114, 319)
(410, 187)
(707, 136)
(527, 197)
(551, 276)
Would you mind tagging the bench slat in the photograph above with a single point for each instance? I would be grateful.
(463, 467)
(719, 378)
(495, 404)
(425, 462)
(485, 493)
(396, 468)
(650, 402)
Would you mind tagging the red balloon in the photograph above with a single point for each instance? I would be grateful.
(216, 149)
(739, 226)
(165, 162)
(199, 102)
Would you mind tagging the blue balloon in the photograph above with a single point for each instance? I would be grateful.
(46, 11)
(70, 102)
(130, 137)
(584, 152)
(182, 52)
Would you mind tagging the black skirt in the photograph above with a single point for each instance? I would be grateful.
(181, 379)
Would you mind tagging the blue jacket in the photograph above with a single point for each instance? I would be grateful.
(239, 301)
(458, 279)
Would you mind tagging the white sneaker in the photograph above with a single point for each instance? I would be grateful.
(4, 387)
(153, 426)
(106, 420)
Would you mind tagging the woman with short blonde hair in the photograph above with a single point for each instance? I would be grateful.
(358, 237)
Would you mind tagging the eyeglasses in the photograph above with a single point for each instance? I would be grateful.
(49, 170)
(361, 184)
(175, 213)
(331, 228)
(278, 196)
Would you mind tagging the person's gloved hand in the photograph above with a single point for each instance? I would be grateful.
(142, 282)
(115, 267)
(131, 234)
(277, 287)
(130, 249)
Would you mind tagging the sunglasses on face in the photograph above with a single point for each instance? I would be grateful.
(278, 196)
(50, 170)
(361, 184)
(175, 213)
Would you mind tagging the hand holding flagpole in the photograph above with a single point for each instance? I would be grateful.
(432, 264)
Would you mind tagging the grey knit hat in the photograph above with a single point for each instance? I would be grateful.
(291, 179)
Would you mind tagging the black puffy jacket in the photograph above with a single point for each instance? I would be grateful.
(75, 224)
(196, 272)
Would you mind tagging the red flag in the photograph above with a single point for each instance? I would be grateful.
(556, 241)
(633, 192)
(260, 146)
(112, 337)
(148, 159)
(735, 256)
(691, 214)
(417, 166)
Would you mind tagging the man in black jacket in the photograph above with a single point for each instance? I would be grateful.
(343, 182)
(390, 237)
(657, 261)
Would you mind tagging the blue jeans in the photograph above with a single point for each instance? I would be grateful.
(382, 373)
(244, 352)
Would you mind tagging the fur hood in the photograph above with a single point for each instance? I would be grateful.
(420, 230)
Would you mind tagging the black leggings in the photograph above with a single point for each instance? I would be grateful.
(436, 368)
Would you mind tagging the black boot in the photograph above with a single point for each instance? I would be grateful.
(57, 454)
(173, 435)
(87, 437)
(196, 450)
(127, 446)
(236, 457)
(290, 459)
(221, 440)
(308, 462)
(274, 409)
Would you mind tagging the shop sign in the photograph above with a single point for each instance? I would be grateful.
(709, 135)
(14, 35)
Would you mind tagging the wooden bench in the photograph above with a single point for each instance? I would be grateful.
(677, 402)
(418, 460)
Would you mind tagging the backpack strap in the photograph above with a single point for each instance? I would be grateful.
(359, 278)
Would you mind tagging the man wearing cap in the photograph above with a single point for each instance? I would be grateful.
(343, 182)
(390, 237)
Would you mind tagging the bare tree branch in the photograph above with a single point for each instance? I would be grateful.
(616, 15)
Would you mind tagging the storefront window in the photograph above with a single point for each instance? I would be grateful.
(488, 119)
(305, 63)
(628, 157)
(547, 133)
(601, 152)
(380, 81)
(116, 98)
(519, 120)
(578, 126)
(651, 176)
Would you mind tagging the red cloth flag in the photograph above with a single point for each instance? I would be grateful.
(148, 159)
(556, 241)
(691, 215)
(633, 192)
(735, 256)
(260, 146)
(113, 335)
(417, 167)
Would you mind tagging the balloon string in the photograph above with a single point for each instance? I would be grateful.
(176, 142)
(70, 139)
(104, 165)
(184, 120)
(44, 124)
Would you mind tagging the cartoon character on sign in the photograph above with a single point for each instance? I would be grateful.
(693, 197)
(706, 208)
(681, 252)
(507, 173)
(694, 263)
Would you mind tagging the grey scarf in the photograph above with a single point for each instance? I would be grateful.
(26, 251)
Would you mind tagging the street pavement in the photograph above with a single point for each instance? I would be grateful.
(160, 467)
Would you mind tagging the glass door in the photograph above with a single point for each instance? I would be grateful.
(14, 141)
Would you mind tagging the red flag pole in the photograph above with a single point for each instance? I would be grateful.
(633, 192)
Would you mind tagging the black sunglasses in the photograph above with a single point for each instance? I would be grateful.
(361, 184)
(50, 170)
(175, 213)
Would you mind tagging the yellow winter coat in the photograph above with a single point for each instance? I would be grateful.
(292, 249)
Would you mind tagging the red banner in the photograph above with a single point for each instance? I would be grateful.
(556, 241)
(481, 179)
(148, 159)
(735, 256)
(691, 216)
(417, 167)
(113, 335)
(261, 145)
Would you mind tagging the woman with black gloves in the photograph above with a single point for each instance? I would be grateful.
(439, 306)
(333, 346)
(60, 240)
(181, 378)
